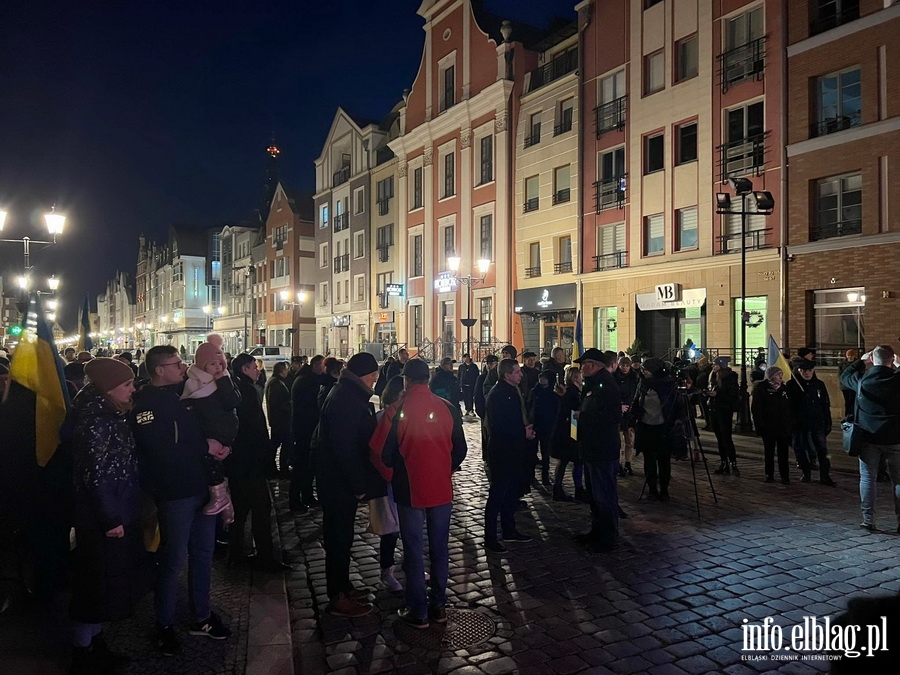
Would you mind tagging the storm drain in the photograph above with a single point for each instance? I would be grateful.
(464, 628)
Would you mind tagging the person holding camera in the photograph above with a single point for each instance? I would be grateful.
(723, 400)
(651, 411)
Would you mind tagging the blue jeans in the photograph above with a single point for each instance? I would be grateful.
(601, 480)
(411, 523)
(184, 531)
(503, 496)
(869, 457)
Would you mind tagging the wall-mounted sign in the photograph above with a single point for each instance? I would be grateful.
(445, 283)
(545, 299)
(384, 317)
(393, 289)
(343, 320)
(690, 297)
(668, 292)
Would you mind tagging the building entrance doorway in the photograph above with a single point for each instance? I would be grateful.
(559, 331)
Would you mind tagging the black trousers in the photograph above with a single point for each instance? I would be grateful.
(302, 473)
(723, 427)
(468, 393)
(338, 520)
(651, 440)
(250, 496)
(781, 445)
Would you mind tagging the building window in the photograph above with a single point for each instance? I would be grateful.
(563, 255)
(649, 3)
(561, 187)
(838, 318)
(418, 324)
(532, 192)
(610, 247)
(686, 234)
(417, 188)
(654, 151)
(360, 245)
(323, 215)
(610, 114)
(744, 55)
(449, 242)
(744, 148)
(687, 143)
(178, 271)
(384, 192)
(609, 191)
(384, 241)
(839, 102)
(449, 176)
(448, 80)
(687, 58)
(359, 200)
(754, 232)
(534, 129)
(487, 236)
(565, 113)
(838, 207)
(654, 235)
(323, 293)
(417, 259)
(360, 288)
(654, 72)
(486, 312)
(487, 160)
(534, 260)
(833, 13)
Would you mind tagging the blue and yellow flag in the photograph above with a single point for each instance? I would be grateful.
(776, 358)
(578, 342)
(85, 344)
(36, 365)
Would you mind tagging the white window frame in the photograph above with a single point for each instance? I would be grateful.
(448, 61)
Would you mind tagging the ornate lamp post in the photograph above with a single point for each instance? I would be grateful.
(468, 280)
(295, 312)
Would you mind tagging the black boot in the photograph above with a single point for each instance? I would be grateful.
(723, 469)
(582, 496)
(628, 469)
(734, 469)
(559, 495)
(545, 477)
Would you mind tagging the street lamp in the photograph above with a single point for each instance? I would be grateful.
(295, 310)
(55, 223)
(469, 280)
(765, 205)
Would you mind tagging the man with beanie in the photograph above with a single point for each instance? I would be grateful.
(345, 476)
(419, 442)
(171, 449)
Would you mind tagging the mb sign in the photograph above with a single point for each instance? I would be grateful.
(668, 292)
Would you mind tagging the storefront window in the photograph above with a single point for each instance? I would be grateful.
(839, 325)
(606, 328)
(757, 330)
(487, 318)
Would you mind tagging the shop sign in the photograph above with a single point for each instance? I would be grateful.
(689, 297)
(668, 292)
(393, 289)
(384, 317)
(545, 299)
(343, 320)
(445, 283)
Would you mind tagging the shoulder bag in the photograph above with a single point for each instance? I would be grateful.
(851, 431)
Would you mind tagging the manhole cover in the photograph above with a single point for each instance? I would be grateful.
(464, 628)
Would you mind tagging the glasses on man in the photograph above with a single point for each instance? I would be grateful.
(172, 363)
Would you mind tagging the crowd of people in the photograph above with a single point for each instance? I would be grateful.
(162, 457)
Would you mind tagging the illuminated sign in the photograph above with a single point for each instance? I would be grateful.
(445, 283)
(393, 289)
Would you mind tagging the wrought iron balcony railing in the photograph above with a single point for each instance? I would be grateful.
(841, 228)
(562, 64)
(562, 196)
(743, 156)
(532, 204)
(610, 261)
(564, 126)
(384, 205)
(826, 20)
(609, 193)
(535, 137)
(562, 267)
(753, 240)
(531, 272)
(610, 116)
(341, 176)
(742, 62)
(341, 222)
(831, 125)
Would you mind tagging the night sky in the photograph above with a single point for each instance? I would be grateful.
(131, 116)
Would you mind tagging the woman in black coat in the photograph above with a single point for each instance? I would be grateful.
(109, 552)
(771, 410)
(724, 399)
(564, 447)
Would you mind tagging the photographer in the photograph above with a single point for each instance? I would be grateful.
(627, 379)
(724, 399)
(651, 410)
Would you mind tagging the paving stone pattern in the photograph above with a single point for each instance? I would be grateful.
(671, 599)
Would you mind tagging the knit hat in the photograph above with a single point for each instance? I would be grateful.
(624, 361)
(804, 351)
(446, 360)
(491, 358)
(805, 364)
(106, 374)
(722, 361)
(84, 357)
(206, 353)
(416, 369)
(771, 371)
(654, 365)
(362, 363)
(511, 350)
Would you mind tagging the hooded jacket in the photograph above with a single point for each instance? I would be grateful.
(879, 401)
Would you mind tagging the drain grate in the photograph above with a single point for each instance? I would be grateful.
(464, 628)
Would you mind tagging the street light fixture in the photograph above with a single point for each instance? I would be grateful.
(765, 205)
(484, 264)
(55, 222)
(295, 310)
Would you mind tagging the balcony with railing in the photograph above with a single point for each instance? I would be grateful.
(384, 252)
(564, 126)
(743, 156)
(609, 193)
(341, 222)
(832, 125)
(831, 16)
(610, 116)
(753, 241)
(532, 204)
(532, 272)
(562, 196)
(742, 62)
(562, 267)
(842, 228)
(561, 65)
(384, 205)
(534, 138)
(341, 176)
(342, 263)
(610, 261)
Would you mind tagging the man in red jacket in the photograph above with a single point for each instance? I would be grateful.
(419, 442)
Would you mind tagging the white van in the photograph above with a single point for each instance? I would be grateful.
(271, 355)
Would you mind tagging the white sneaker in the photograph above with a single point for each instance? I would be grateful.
(389, 580)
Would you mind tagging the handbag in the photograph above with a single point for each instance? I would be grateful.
(852, 433)
(383, 518)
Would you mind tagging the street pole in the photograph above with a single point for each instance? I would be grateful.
(744, 416)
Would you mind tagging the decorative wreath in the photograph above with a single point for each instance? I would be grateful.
(611, 325)
(755, 319)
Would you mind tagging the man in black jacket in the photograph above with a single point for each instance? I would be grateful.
(506, 434)
(444, 383)
(247, 468)
(879, 418)
(278, 411)
(598, 446)
(345, 476)
(811, 415)
(305, 417)
(468, 374)
(627, 381)
(333, 368)
(171, 447)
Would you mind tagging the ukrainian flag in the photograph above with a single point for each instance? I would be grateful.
(578, 342)
(36, 365)
(776, 358)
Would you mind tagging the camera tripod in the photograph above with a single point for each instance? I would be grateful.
(683, 410)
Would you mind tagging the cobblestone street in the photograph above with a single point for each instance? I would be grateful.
(670, 599)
